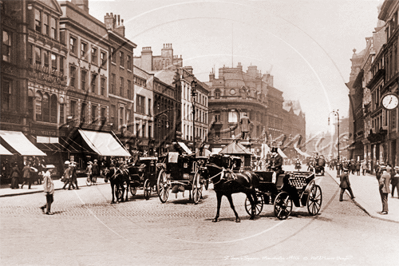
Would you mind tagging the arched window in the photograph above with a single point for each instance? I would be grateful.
(217, 94)
(46, 108)
(53, 109)
(39, 99)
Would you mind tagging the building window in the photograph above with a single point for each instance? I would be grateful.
(83, 77)
(53, 109)
(120, 117)
(217, 94)
(113, 55)
(6, 48)
(149, 130)
(94, 58)
(129, 62)
(46, 58)
(6, 96)
(83, 112)
(103, 86)
(103, 58)
(122, 87)
(38, 56)
(62, 113)
(39, 99)
(112, 114)
(72, 112)
(30, 107)
(38, 21)
(94, 83)
(72, 73)
(62, 64)
(233, 117)
(103, 114)
(129, 89)
(113, 83)
(140, 104)
(45, 108)
(149, 106)
(45, 24)
(30, 54)
(93, 113)
(53, 30)
(393, 119)
(54, 61)
(137, 130)
(83, 50)
(72, 45)
(121, 59)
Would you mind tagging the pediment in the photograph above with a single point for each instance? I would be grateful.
(52, 4)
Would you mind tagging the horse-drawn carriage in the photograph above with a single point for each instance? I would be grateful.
(177, 173)
(290, 187)
(319, 164)
(143, 175)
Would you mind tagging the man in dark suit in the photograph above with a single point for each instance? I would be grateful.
(384, 182)
(345, 184)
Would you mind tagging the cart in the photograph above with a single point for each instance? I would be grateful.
(143, 175)
(178, 173)
(297, 187)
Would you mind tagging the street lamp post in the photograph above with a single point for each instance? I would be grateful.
(193, 94)
(336, 113)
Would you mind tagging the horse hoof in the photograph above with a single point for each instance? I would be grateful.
(252, 218)
(215, 220)
(238, 220)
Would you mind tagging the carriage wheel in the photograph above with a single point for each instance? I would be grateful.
(197, 188)
(282, 205)
(147, 189)
(119, 194)
(133, 190)
(258, 206)
(314, 201)
(162, 186)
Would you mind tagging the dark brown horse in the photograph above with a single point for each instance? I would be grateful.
(117, 180)
(226, 182)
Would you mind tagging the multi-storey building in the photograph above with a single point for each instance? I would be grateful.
(235, 93)
(143, 116)
(389, 123)
(166, 60)
(122, 81)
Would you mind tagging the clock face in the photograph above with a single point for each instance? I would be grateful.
(232, 91)
(390, 101)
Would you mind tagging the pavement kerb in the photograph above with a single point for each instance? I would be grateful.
(355, 200)
(41, 190)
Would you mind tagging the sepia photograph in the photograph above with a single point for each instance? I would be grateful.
(199, 132)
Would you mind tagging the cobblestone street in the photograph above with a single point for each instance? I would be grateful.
(87, 230)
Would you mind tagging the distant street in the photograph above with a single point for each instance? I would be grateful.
(87, 230)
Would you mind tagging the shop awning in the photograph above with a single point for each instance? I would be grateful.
(103, 143)
(4, 151)
(184, 147)
(20, 143)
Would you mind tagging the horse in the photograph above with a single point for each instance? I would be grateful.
(117, 180)
(226, 182)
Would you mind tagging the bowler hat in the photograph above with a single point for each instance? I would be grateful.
(274, 149)
(67, 162)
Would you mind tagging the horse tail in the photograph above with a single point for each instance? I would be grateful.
(253, 179)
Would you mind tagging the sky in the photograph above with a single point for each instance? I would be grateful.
(305, 44)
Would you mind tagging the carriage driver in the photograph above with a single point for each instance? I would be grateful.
(276, 163)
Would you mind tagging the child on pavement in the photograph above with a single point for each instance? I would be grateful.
(48, 187)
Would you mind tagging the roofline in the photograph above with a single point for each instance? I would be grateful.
(122, 38)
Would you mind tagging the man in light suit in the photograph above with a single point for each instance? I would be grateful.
(384, 182)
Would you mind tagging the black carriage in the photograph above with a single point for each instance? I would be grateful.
(143, 175)
(178, 173)
(288, 188)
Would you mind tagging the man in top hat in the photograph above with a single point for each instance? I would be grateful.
(245, 123)
(276, 162)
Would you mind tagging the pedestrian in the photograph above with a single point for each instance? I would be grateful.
(364, 167)
(357, 166)
(15, 174)
(96, 170)
(383, 182)
(345, 184)
(26, 175)
(67, 176)
(378, 171)
(395, 181)
(89, 171)
(74, 175)
(48, 188)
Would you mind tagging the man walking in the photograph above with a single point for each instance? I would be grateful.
(74, 176)
(345, 184)
(48, 188)
(67, 175)
(383, 182)
(26, 174)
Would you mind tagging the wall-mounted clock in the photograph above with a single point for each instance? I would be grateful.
(232, 91)
(390, 101)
